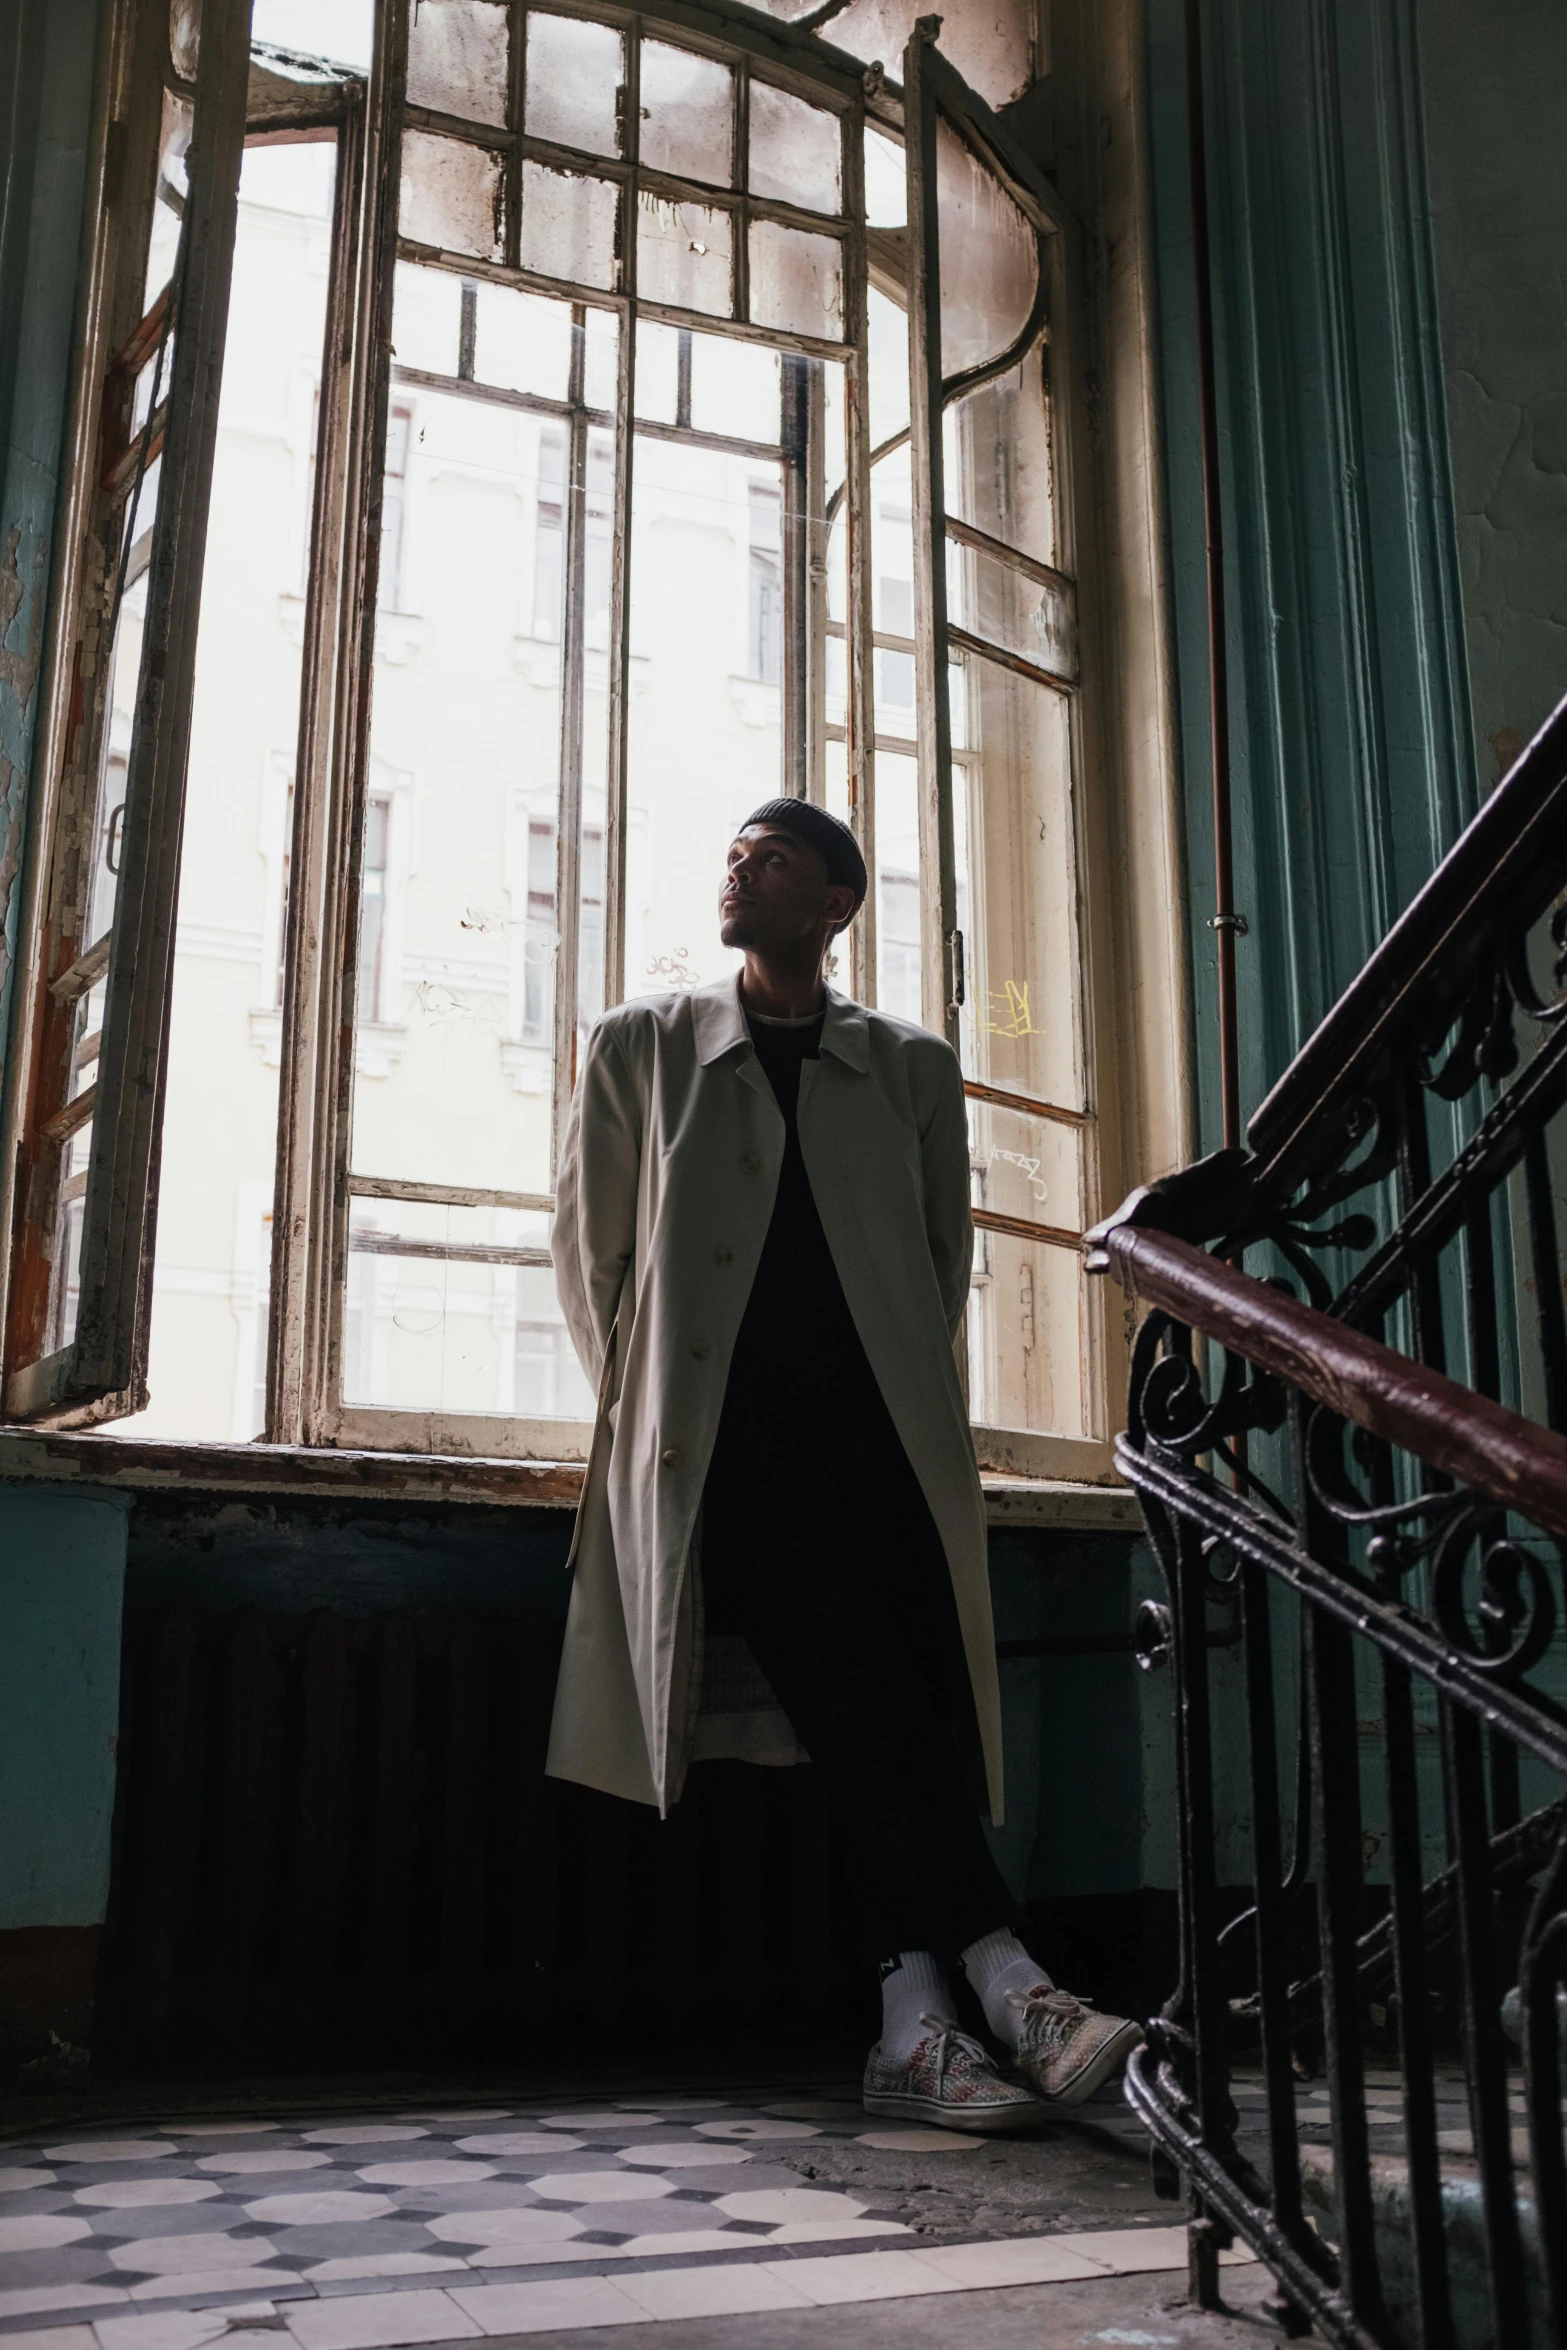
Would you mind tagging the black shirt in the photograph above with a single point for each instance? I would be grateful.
(804, 1438)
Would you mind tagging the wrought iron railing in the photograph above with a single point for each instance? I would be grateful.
(1348, 1418)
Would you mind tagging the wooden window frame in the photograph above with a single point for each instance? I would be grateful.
(104, 1373)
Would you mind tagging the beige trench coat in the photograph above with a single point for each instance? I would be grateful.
(665, 1193)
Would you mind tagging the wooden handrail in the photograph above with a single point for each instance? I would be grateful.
(1480, 1443)
(1511, 861)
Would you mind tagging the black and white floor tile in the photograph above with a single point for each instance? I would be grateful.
(367, 2231)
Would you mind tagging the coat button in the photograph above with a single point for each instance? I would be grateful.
(749, 1163)
(723, 1256)
(701, 1349)
(671, 1457)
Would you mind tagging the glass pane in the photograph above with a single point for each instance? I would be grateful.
(521, 342)
(568, 225)
(687, 115)
(109, 817)
(575, 75)
(886, 182)
(998, 602)
(796, 281)
(796, 150)
(342, 30)
(452, 196)
(710, 664)
(658, 370)
(734, 388)
(684, 255)
(1018, 889)
(445, 1312)
(1025, 1336)
(459, 58)
(185, 37)
(1000, 472)
(212, 1269)
(892, 599)
(898, 960)
(426, 318)
(173, 146)
(992, 48)
(1026, 1167)
(888, 326)
(989, 258)
(454, 1021)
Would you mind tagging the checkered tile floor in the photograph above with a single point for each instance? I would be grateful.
(430, 2227)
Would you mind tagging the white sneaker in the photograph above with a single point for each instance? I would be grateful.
(951, 2082)
(1066, 2049)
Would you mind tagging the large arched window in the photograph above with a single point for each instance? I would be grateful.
(696, 421)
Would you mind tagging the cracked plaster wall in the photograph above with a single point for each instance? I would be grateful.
(1495, 84)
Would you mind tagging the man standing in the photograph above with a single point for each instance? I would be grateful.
(762, 1247)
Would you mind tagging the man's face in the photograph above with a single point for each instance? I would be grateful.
(776, 893)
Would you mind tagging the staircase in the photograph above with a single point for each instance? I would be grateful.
(1348, 1424)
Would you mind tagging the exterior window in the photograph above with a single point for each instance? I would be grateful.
(614, 358)
(764, 632)
(372, 908)
(549, 539)
(394, 505)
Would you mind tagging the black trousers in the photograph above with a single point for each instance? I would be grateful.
(845, 1600)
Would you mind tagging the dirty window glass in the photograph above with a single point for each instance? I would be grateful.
(458, 57)
(575, 71)
(796, 150)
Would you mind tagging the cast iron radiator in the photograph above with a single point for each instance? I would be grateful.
(335, 1842)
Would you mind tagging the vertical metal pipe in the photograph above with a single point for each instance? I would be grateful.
(1226, 922)
(941, 946)
(794, 374)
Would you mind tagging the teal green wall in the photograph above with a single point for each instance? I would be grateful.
(47, 50)
(62, 1576)
(62, 1556)
(1495, 82)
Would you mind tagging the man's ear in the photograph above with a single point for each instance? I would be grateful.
(845, 902)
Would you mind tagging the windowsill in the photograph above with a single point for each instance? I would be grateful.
(154, 1464)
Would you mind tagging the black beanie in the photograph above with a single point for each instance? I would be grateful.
(832, 840)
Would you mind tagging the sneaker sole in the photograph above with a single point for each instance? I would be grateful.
(1097, 2071)
(993, 2121)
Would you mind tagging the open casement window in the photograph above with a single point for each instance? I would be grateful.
(996, 685)
(88, 1164)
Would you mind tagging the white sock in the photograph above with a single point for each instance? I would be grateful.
(912, 1989)
(998, 1964)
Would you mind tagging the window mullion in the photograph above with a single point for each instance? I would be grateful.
(568, 834)
(942, 947)
(331, 1069)
(814, 582)
(794, 377)
(296, 1298)
(619, 746)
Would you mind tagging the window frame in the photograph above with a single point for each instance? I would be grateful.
(315, 1184)
(99, 1371)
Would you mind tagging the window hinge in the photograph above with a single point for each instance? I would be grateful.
(955, 975)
